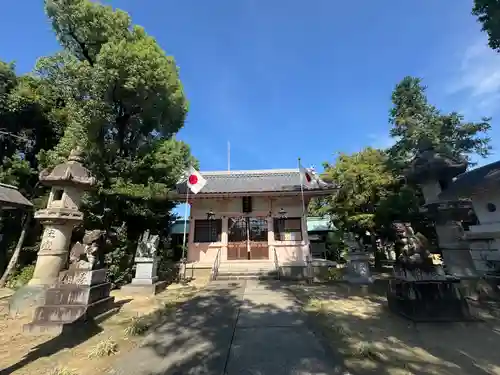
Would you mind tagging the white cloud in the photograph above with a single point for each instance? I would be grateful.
(477, 78)
(381, 141)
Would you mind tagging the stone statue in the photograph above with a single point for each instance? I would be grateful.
(147, 246)
(412, 248)
(83, 256)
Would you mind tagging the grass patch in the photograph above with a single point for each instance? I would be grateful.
(61, 371)
(138, 326)
(104, 348)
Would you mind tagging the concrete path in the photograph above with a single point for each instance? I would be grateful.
(232, 328)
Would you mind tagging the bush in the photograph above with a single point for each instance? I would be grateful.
(335, 273)
(21, 277)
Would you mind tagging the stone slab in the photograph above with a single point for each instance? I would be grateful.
(143, 289)
(209, 336)
(278, 351)
(194, 341)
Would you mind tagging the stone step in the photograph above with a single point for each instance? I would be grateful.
(249, 266)
(59, 313)
(235, 274)
(247, 276)
(67, 294)
(39, 328)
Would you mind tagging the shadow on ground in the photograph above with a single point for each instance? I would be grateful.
(70, 337)
(220, 332)
(372, 340)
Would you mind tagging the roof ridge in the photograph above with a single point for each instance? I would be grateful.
(250, 171)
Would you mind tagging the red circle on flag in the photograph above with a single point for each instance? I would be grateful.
(308, 178)
(193, 179)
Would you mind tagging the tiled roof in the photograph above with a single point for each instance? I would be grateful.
(10, 197)
(248, 181)
(467, 182)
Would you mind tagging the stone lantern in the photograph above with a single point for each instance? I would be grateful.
(434, 171)
(68, 181)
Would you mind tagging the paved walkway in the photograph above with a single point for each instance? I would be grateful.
(232, 328)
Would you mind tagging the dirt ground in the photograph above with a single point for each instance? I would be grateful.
(25, 354)
(372, 340)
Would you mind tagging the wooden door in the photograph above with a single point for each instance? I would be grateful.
(237, 239)
(258, 244)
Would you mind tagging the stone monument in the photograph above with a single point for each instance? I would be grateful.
(146, 279)
(81, 292)
(358, 266)
(69, 181)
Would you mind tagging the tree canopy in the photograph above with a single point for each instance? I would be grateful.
(488, 14)
(416, 122)
(371, 192)
(113, 91)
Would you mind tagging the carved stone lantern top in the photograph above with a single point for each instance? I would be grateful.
(72, 172)
(431, 164)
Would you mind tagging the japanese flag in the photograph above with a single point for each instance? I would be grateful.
(195, 180)
(307, 178)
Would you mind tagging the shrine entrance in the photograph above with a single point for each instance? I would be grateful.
(247, 238)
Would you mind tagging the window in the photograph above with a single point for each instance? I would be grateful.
(58, 193)
(257, 229)
(288, 229)
(207, 230)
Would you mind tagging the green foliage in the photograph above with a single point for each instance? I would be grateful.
(364, 181)
(488, 14)
(21, 277)
(416, 123)
(113, 91)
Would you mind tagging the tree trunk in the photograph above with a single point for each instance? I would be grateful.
(17, 251)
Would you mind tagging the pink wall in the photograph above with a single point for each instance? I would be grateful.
(288, 252)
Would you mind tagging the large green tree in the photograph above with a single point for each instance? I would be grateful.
(488, 14)
(113, 91)
(363, 180)
(416, 122)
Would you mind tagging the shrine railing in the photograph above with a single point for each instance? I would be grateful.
(276, 262)
(215, 267)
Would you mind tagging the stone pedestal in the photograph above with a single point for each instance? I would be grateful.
(79, 295)
(358, 268)
(145, 280)
(427, 296)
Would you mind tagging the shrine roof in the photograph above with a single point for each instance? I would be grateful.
(466, 183)
(10, 197)
(251, 181)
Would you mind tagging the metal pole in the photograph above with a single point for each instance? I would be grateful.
(228, 156)
(184, 235)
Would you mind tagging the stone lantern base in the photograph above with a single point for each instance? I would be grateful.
(358, 268)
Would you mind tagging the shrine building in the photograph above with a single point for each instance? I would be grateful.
(254, 219)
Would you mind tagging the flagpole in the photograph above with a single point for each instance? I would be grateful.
(304, 226)
(185, 224)
(302, 191)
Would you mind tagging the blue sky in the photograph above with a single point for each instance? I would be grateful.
(287, 78)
